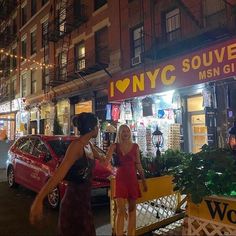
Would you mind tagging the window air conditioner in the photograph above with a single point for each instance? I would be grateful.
(136, 60)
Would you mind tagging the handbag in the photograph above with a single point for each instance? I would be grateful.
(115, 160)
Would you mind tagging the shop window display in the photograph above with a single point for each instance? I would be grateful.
(144, 114)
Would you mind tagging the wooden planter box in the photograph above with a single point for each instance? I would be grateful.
(155, 208)
(213, 216)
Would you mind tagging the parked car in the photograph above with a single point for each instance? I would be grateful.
(32, 160)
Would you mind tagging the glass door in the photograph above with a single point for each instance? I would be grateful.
(199, 132)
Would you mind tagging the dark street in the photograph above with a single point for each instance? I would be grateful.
(14, 211)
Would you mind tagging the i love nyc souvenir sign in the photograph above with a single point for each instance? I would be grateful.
(208, 64)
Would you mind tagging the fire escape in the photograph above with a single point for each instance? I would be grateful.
(71, 14)
(213, 23)
(8, 35)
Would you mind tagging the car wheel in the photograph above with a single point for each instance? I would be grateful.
(11, 177)
(54, 198)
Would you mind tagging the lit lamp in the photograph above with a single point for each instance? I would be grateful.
(157, 140)
(232, 138)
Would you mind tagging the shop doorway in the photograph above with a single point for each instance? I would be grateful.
(197, 128)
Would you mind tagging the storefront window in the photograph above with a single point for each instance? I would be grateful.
(7, 126)
(144, 115)
(63, 114)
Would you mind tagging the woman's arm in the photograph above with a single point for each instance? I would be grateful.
(110, 151)
(140, 170)
(96, 154)
(73, 152)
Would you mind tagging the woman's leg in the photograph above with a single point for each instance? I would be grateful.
(120, 216)
(131, 217)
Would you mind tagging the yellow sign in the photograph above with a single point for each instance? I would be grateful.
(220, 209)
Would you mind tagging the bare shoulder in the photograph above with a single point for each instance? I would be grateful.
(76, 148)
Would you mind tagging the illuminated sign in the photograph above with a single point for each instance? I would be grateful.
(214, 63)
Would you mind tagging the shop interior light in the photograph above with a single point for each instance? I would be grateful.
(232, 138)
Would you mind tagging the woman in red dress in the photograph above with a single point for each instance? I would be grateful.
(126, 184)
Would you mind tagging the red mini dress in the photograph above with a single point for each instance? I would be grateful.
(126, 185)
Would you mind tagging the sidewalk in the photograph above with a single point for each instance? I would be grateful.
(3, 176)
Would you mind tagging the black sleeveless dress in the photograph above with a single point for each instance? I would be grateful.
(75, 217)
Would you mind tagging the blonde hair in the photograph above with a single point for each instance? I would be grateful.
(120, 129)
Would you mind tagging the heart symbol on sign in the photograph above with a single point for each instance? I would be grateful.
(122, 85)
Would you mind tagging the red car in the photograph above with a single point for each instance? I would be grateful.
(33, 159)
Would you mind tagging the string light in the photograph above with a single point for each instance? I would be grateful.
(25, 59)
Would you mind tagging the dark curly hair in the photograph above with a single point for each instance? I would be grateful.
(85, 122)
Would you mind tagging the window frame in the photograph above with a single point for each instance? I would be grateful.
(133, 40)
(80, 62)
(23, 15)
(24, 48)
(24, 85)
(33, 42)
(33, 82)
(33, 9)
(173, 24)
(44, 27)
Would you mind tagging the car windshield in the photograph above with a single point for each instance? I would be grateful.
(59, 146)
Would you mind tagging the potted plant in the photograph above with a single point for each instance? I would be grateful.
(208, 172)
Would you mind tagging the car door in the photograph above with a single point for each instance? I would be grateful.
(40, 169)
(23, 161)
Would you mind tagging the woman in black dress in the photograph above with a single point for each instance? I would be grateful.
(75, 216)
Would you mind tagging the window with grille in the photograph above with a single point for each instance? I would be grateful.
(62, 61)
(99, 3)
(33, 82)
(137, 41)
(173, 25)
(44, 33)
(101, 46)
(23, 85)
(33, 47)
(80, 56)
(62, 20)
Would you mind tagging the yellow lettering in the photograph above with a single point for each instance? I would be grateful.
(202, 75)
(112, 89)
(138, 83)
(153, 77)
(231, 49)
(219, 57)
(209, 73)
(196, 62)
(228, 68)
(204, 59)
(165, 80)
(186, 65)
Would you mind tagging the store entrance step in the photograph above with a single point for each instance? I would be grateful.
(174, 228)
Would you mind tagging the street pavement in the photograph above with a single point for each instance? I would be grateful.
(14, 211)
(3, 175)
